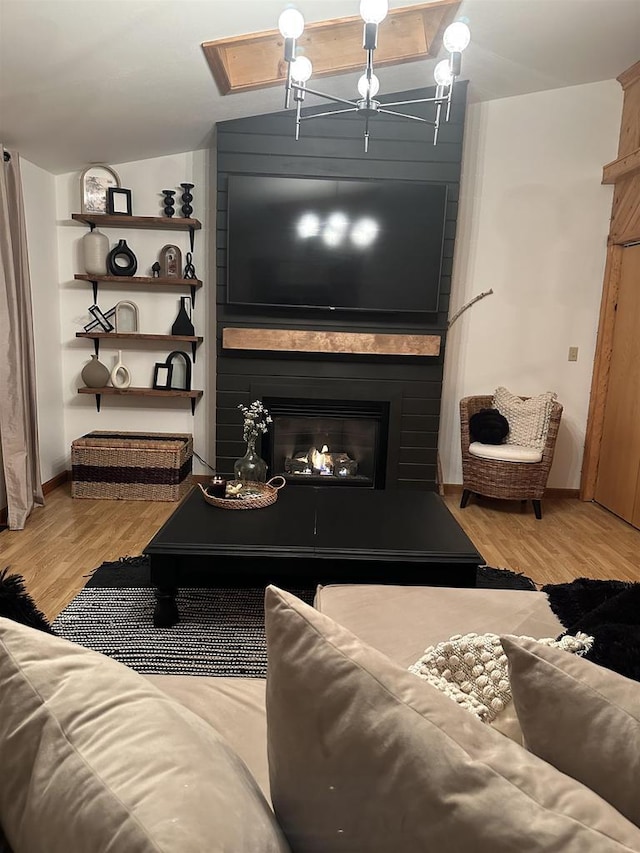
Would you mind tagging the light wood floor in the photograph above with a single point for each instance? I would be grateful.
(67, 538)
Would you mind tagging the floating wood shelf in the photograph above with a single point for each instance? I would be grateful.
(107, 220)
(139, 336)
(96, 337)
(142, 392)
(145, 281)
(141, 280)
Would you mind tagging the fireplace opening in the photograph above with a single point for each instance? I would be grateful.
(327, 442)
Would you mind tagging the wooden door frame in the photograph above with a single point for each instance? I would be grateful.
(624, 173)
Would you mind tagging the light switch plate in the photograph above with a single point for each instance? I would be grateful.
(573, 353)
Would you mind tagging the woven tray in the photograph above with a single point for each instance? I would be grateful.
(269, 496)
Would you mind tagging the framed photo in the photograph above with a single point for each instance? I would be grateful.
(94, 183)
(118, 201)
(162, 373)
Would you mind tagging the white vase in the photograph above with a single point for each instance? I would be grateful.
(95, 248)
(120, 375)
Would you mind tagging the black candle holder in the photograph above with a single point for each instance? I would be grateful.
(187, 198)
(169, 202)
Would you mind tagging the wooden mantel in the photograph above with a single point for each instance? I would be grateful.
(347, 343)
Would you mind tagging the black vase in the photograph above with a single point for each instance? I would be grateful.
(183, 325)
(121, 260)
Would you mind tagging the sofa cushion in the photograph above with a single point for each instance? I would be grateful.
(505, 452)
(363, 756)
(234, 707)
(97, 760)
(401, 620)
(580, 717)
(528, 419)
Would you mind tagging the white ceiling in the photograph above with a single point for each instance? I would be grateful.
(117, 80)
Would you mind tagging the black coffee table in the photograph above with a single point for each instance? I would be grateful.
(311, 536)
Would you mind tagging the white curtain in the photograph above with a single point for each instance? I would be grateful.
(18, 414)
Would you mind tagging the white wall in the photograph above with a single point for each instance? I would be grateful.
(38, 187)
(533, 225)
(158, 309)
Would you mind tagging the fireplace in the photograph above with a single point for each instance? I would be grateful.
(327, 442)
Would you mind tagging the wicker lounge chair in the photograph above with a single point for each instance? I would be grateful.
(505, 480)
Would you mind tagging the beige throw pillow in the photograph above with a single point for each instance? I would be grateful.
(472, 669)
(364, 756)
(528, 419)
(580, 717)
(94, 759)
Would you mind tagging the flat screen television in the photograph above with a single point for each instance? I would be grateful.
(367, 245)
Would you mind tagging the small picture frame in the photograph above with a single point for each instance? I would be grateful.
(162, 373)
(170, 262)
(118, 201)
(95, 180)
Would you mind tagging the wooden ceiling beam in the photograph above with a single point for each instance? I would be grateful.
(256, 61)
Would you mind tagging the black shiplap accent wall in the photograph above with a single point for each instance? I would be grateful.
(333, 147)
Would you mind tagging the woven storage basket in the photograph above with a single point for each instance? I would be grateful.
(269, 496)
(130, 466)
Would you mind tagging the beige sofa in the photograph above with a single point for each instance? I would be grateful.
(360, 756)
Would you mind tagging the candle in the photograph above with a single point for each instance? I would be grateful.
(217, 486)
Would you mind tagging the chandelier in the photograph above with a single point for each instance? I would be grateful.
(299, 69)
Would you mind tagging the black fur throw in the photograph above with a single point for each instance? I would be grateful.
(610, 612)
(488, 426)
(17, 604)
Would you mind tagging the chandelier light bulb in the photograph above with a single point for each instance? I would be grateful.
(456, 37)
(308, 225)
(373, 11)
(364, 232)
(301, 69)
(291, 24)
(368, 89)
(442, 73)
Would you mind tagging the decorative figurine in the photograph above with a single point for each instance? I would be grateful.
(187, 198)
(169, 202)
(170, 262)
(100, 320)
(189, 270)
(155, 269)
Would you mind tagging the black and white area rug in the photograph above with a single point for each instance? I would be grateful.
(221, 631)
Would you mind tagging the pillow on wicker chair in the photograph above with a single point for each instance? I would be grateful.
(528, 419)
(488, 426)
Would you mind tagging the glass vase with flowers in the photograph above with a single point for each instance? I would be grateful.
(251, 468)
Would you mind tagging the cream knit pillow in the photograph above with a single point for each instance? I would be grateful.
(472, 669)
(528, 419)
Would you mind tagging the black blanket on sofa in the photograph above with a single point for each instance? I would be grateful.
(607, 610)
